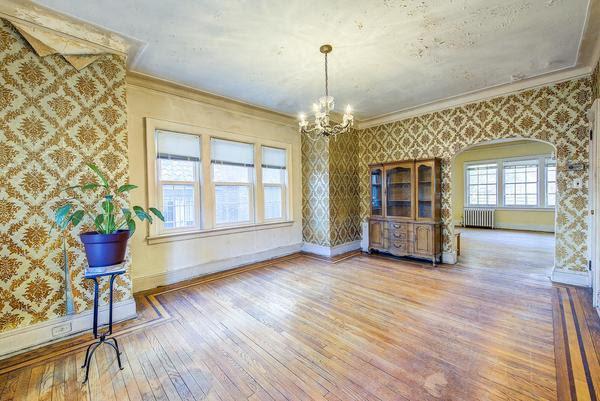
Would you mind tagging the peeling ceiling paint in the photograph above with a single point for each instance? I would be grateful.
(388, 54)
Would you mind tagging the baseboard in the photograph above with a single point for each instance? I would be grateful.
(581, 279)
(40, 334)
(449, 258)
(525, 227)
(329, 251)
(521, 227)
(142, 283)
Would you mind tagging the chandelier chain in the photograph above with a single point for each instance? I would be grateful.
(326, 78)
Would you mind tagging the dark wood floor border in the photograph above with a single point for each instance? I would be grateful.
(577, 364)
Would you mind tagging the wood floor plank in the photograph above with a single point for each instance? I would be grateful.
(353, 328)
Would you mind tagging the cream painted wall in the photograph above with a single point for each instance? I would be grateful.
(535, 220)
(163, 263)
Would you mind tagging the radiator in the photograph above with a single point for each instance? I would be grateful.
(478, 217)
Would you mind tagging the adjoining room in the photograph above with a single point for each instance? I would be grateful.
(262, 200)
(504, 198)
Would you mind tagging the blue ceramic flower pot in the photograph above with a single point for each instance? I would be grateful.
(105, 249)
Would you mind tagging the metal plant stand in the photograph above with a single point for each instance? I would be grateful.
(103, 337)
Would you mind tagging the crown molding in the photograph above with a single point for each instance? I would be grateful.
(477, 96)
(221, 102)
(589, 46)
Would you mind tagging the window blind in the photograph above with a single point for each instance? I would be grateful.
(232, 153)
(177, 146)
(273, 158)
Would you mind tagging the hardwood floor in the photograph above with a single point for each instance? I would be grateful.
(507, 249)
(356, 328)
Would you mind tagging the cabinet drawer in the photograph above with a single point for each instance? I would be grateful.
(398, 226)
(398, 235)
(398, 247)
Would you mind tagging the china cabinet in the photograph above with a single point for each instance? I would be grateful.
(405, 209)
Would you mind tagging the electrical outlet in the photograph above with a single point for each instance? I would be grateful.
(577, 183)
(61, 329)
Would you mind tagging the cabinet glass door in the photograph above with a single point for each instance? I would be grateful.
(377, 192)
(399, 191)
(425, 191)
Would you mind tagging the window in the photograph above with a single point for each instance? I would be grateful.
(233, 178)
(481, 184)
(511, 183)
(521, 183)
(550, 182)
(274, 182)
(178, 157)
(205, 181)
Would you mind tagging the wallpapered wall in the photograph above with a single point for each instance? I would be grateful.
(330, 197)
(556, 114)
(53, 120)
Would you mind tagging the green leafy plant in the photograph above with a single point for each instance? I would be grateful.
(109, 220)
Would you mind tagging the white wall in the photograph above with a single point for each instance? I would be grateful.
(167, 262)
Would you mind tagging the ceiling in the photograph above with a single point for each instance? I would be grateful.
(389, 55)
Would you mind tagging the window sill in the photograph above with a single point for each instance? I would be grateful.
(187, 235)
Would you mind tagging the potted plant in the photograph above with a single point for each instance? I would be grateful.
(107, 244)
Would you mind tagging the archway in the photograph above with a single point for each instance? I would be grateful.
(503, 202)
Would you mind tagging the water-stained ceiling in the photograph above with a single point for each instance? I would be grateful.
(388, 55)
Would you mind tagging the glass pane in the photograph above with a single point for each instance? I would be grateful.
(532, 188)
(228, 173)
(551, 200)
(531, 200)
(424, 204)
(551, 188)
(177, 170)
(178, 206)
(272, 175)
(232, 204)
(399, 192)
(376, 192)
(273, 207)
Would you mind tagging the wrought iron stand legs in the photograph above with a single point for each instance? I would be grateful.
(103, 338)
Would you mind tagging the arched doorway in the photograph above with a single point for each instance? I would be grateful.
(504, 198)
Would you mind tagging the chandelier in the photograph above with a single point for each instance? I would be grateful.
(322, 124)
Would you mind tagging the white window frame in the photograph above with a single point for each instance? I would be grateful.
(468, 184)
(251, 185)
(550, 162)
(197, 201)
(206, 187)
(541, 193)
(284, 178)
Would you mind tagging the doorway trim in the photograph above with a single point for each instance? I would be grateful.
(594, 202)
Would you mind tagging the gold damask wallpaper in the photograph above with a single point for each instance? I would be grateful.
(315, 191)
(330, 202)
(556, 114)
(53, 120)
(344, 204)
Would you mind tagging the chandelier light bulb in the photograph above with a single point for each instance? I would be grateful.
(348, 109)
